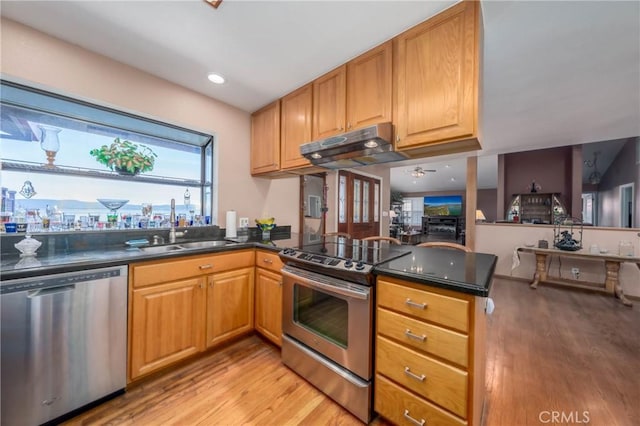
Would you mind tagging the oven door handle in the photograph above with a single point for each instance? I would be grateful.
(327, 285)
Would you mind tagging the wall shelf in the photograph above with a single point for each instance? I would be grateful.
(26, 166)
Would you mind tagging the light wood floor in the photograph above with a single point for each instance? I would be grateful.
(549, 350)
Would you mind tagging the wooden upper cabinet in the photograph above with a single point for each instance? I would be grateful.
(265, 139)
(329, 102)
(369, 87)
(354, 95)
(296, 119)
(436, 66)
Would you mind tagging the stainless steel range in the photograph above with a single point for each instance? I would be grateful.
(328, 316)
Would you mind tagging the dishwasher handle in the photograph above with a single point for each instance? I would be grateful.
(50, 290)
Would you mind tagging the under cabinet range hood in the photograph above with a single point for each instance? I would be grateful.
(362, 147)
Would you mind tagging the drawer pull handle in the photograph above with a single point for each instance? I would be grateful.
(409, 373)
(207, 266)
(412, 420)
(411, 335)
(411, 303)
(267, 260)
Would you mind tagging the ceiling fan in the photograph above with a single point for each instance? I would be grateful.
(418, 171)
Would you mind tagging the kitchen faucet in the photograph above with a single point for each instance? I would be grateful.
(172, 218)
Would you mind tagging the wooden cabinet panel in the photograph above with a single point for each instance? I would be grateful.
(329, 103)
(269, 305)
(437, 67)
(441, 383)
(438, 308)
(265, 139)
(395, 404)
(369, 84)
(296, 116)
(162, 271)
(167, 324)
(229, 305)
(428, 338)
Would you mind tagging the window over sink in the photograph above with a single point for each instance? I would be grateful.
(84, 165)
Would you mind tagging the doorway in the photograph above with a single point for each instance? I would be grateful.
(627, 194)
(589, 210)
(313, 202)
(358, 205)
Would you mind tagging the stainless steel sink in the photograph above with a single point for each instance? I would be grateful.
(191, 245)
(203, 244)
(161, 249)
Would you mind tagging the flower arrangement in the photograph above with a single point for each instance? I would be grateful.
(125, 157)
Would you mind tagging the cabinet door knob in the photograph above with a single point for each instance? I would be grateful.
(341, 128)
(348, 125)
(267, 260)
(207, 266)
(280, 283)
(398, 138)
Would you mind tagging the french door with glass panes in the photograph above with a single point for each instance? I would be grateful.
(358, 204)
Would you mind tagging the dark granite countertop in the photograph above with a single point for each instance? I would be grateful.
(59, 261)
(470, 273)
(465, 272)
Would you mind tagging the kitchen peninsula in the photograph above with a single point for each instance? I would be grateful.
(452, 321)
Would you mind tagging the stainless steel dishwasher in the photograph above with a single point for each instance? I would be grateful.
(64, 343)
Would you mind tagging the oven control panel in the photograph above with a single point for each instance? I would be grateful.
(326, 261)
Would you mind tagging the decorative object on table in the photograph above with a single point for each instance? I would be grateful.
(28, 246)
(50, 144)
(125, 157)
(480, 217)
(113, 205)
(543, 244)
(27, 190)
(10, 227)
(21, 226)
(563, 234)
(266, 225)
(625, 248)
(534, 187)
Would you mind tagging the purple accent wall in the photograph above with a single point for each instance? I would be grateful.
(550, 168)
(624, 169)
(487, 202)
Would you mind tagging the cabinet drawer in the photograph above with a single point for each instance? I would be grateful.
(268, 260)
(443, 384)
(170, 270)
(423, 304)
(395, 403)
(429, 338)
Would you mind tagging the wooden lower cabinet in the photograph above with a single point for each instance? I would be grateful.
(167, 324)
(269, 305)
(229, 305)
(182, 306)
(269, 296)
(430, 354)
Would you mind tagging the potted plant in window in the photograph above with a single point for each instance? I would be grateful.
(125, 157)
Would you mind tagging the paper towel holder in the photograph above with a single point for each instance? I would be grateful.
(230, 226)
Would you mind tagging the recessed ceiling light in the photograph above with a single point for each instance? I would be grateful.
(453, 179)
(215, 78)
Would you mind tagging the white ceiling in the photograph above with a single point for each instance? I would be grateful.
(554, 73)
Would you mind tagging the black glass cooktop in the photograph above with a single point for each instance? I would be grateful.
(368, 252)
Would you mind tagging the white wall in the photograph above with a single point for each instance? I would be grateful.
(502, 240)
(33, 58)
